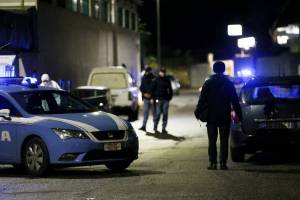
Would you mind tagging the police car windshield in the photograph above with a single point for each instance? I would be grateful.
(50, 102)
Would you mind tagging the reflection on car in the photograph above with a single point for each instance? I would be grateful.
(271, 116)
(174, 83)
(97, 96)
(42, 127)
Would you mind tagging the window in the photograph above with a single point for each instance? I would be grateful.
(133, 21)
(84, 7)
(110, 80)
(104, 10)
(5, 104)
(50, 102)
(95, 9)
(275, 93)
(120, 17)
(72, 5)
(127, 19)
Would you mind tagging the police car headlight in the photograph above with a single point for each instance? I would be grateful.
(68, 134)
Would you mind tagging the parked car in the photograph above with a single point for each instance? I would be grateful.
(123, 89)
(97, 96)
(42, 127)
(271, 116)
(174, 83)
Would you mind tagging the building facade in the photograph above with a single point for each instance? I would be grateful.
(75, 36)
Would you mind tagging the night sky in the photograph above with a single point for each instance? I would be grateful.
(201, 26)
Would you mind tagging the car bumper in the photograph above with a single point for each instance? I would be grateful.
(262, 140)
(86, 152)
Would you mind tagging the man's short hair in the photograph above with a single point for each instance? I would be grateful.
(163, 70)
(219, 67)
(148, 69)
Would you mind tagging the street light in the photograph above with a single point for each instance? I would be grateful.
(158, 33)
(234, 30)
(246, 43)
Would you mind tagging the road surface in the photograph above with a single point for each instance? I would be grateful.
(168, 168)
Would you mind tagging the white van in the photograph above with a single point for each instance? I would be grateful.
(124, 91)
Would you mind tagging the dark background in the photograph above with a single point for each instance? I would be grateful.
(199, 27)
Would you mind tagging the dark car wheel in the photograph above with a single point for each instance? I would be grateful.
(237, 154)
(35, 157)
(118, 166)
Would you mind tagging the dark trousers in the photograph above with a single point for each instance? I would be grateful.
(148, 105)
(212, 131)
(162, 107)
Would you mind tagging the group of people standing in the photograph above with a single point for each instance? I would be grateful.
(156, 93)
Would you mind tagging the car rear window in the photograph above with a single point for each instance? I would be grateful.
(110, 80)
(263, 94)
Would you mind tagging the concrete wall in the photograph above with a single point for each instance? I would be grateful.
(198, 73)
(70, 45)
(286, 64)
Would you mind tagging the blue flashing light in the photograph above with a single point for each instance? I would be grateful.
(30, 82)
(245, 73)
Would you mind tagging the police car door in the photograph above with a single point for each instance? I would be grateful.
(7, 131)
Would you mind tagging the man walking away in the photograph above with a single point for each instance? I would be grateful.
(219, 94)
(163, 93)
(146, 90)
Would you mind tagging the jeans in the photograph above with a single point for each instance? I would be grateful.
(162, 107)
(147, 107)
(212, 131)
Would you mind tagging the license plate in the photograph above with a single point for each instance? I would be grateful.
(112, 147)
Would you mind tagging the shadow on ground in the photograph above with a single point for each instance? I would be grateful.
(78, 173)
(275, 157)
(165, 136)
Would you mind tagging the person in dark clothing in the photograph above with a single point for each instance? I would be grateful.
(219, 94)
(146, 89)
(163, 93)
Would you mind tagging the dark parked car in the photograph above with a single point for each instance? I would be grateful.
(271, 116)
(97, 96)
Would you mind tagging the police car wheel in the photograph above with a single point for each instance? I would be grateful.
(35, 157)
(118, 166)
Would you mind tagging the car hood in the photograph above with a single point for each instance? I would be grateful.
(90, 122)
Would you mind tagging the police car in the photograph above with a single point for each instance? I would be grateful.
(42, 127)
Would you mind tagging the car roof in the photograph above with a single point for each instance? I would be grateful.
(109, 69)
(19, 88)
(282, 80)
(92, 88)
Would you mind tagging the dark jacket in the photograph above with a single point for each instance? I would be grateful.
(147, 85)
(219, 94)
(162, 89)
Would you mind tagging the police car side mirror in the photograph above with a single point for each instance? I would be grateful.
(4, 113)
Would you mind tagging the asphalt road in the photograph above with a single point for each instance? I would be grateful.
(172, 167)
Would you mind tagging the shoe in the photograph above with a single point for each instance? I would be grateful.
(143, 128)
(164, 131)
(213, 166)
(223, 166)
(156, 131)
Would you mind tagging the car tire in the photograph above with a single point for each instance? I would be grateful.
(118, 166)
(237, 154)
(35, 157)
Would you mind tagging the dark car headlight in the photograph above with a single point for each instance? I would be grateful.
(69, 133)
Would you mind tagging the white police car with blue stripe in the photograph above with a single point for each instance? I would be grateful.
(42, 127)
